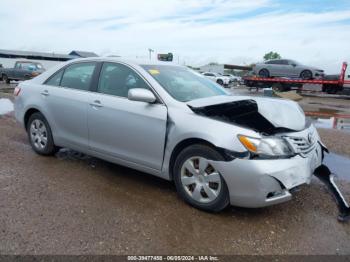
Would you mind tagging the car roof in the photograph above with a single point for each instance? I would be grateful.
(280, 59)
(128, 61)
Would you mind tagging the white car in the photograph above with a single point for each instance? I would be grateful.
(220, 79)
(233, 78)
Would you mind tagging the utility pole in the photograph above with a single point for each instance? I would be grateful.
(150, 53)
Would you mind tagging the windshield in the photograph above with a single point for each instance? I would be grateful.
(182, 83)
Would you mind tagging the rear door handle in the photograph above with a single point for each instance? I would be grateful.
(96, 103)
(45, 93)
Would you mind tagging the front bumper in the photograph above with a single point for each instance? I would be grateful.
(258, 183)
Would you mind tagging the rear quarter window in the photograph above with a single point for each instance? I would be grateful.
(55, 79)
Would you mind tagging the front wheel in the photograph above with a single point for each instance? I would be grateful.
(220, 82)
(40, 135)
(198, 182)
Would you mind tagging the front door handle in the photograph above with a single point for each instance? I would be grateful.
(45, 93)
(96, 103)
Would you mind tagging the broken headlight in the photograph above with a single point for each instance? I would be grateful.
(266, 147)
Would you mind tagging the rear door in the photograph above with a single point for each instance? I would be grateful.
(271, 66)
(127, 130)
(67, 94)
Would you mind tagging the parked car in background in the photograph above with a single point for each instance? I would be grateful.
(286, 68)
(233, 78)
(220, 79)
(23, 70)
(166, 120)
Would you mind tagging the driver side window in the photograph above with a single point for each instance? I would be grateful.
(117, 79)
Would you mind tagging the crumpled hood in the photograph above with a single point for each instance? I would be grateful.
(280, 113)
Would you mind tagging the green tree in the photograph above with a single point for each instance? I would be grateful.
(272, 55)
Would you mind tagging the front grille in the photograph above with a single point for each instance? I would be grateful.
(303, 145)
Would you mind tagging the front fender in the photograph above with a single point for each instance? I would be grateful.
(188, 125)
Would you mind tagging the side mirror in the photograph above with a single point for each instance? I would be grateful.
(294, 65)
(141, 95)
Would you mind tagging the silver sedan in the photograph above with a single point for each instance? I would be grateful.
(287, 68)
(172, 122)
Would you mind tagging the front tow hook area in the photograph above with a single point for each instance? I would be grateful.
(325, 175)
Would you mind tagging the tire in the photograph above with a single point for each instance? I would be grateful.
(279, 87)
(330, 89)
(220, 82)
(306, 75)
(264, 73)
(40, 135)
(195, 193)
(6, 79)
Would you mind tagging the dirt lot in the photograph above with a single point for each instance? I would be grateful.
(74, 204)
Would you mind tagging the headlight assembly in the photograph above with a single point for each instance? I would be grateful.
(268, 147)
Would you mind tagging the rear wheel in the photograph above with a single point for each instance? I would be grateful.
(5, 79)
(280, 87)
(306, 75)
(264, 73)
(40, 135)
(197, 181)
(330, 89)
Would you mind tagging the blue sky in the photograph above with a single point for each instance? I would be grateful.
(196, 31)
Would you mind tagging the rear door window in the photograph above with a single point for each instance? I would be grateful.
(78, 76)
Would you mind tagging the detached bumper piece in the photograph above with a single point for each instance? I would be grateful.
(325, 175)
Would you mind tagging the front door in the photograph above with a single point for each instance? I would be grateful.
(128, 130)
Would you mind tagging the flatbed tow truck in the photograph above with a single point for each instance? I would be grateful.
(330, 84)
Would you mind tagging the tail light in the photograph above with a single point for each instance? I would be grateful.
(16, 91)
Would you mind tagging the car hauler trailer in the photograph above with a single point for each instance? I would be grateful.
(331, 84)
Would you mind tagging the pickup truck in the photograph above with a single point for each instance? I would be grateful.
(22, 70)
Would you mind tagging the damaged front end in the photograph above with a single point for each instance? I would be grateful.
(286, 155)
(263, 115)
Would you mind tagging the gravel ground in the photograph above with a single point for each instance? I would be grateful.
(74, 204)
